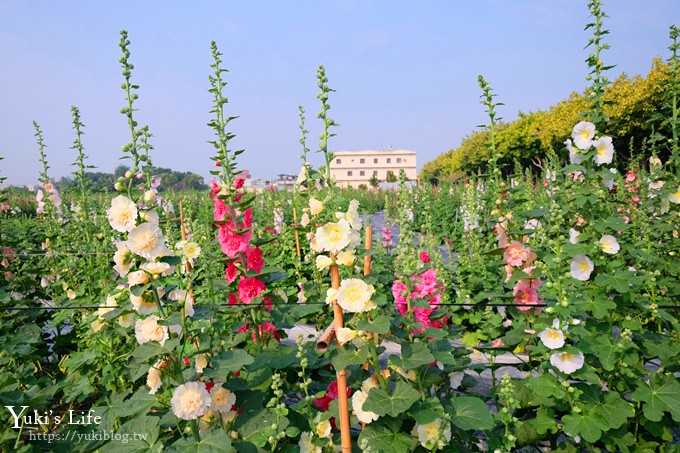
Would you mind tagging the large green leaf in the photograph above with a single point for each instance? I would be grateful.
(379, 325)
(424, 412)
(661, 394)
(281, 357)
(346, 356)
(602, 346)
(468, 412)
(614, 410)
(546, 385)
(590, 428)
(402, 398)
(216, 441)
(227, 362)
(137, 435)
(413, 355)
(385, 436)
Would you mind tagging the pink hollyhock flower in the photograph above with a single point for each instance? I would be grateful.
(526, 293)
(233, 300)
(220, 210)
(267, 329)
(214, 188)
(424, 257)
(231, 243)
(397, 291)
(497, 343)
(248, 218)
(515, 254)
(239, 182)
(249, 288)
(267, 303)
(237, 197)
(231, 272)
(254, 259)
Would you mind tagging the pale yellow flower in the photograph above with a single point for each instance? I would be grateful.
(322, 262)
(345, 334)
(675, 197)
(305, 219)
(315, 206)
(122, 214)
(222, 399)
(306, 445)
(604, 150)
(191, 251)
(358, 400)
(149, 215)
(153, 378)
(148, 329)
(157, 268)
(122, 259)
(432, 435)
(147, 241)
(144, 304)
(346, 258)
(137, 278)
(190, 401)
(354, 296)
(201, 363)
(323, 428)
(333, 237)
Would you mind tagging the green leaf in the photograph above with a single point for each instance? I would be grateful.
(589, 428)
(139, 435)
(255, 427)
(146, 351)
(137, 404)
(470, 413)
(379, 325)
(278, 358)
(546, 385)
(346, 356)
(384, 436)
(599, 306)
(602, 346)
(661, 394)
(614, 410)
(402, 398)
(228, 362)
(413, 355)
(216, 441)
(424, 412)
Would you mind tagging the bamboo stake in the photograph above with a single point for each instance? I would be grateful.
(326, 338)
(297, 235)
(343, 406)
(368, 243)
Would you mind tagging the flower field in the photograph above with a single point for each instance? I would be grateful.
(523, 309)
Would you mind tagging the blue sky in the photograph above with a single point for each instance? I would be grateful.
(405, 72)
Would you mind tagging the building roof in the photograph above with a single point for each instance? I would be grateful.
(378, 151)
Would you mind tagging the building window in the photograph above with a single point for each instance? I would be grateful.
(398, 160)
(349, 173)
(375, 172)
(375, 160)
(389, 161)
(362, 161)
(338, 161)
(361, 173)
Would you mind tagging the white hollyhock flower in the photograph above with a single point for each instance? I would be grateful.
(190, 401)
(201, 363)
(122, 259)
(552, 338)
(583, 134)
(581, 267)
(144, 304)
(345, 334)
(346, 258)
(306, 445)
(574, 156)
(358, 400)
(333, 237)
(222, 399)
(147, 241)
(315, 206)
(456, 379)
(609, 244)
(675, 197)
(573, 236)
(604, 150)
(323, 428)
(122, 214)
(431, 435)
(323, 261)
(567, 362)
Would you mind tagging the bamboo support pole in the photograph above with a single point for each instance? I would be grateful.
(341, 376)
(297, 235)
(326, 338)
(368, 244)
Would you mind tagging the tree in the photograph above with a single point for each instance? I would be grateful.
(374, 181)
(391, 177)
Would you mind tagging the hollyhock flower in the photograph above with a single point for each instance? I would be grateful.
(345, 258)
(574, 156)
(307, 445)
(137, 278)
(201, 362)
(526, 293)
(249, 288)
(222, 399)
(345, 334)
(583, 134)
(573, 236)
(122, 214)
(157, 268)
(674, 197)
(333, 237)
(190, 401)
(181, 295)
(581, 267)
(567, 362)
(305, 219)
(147, 241)
(398, 289)
(424, 257)
(323, 427)
(433, 435)
(315, 206)
(239, 181)
(254, 260)
(247, 218)
(552, 338)
(515, 254)
(191, 251)
(231, 272)
(354, 296)
(358, 400)
(220, 209)
(148, 329)
(265, 330)
(456, 379)
(609, 244)
(233, 300)
(323, 261)
(153, 378)
(144, 304)
(352, 216)
(605, 150)
(231, 243)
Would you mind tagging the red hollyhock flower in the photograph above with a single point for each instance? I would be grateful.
(231, 272)
(424, 257)
(249, 288)
(254, 260)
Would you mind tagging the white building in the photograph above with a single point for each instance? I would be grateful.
(353, 168)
